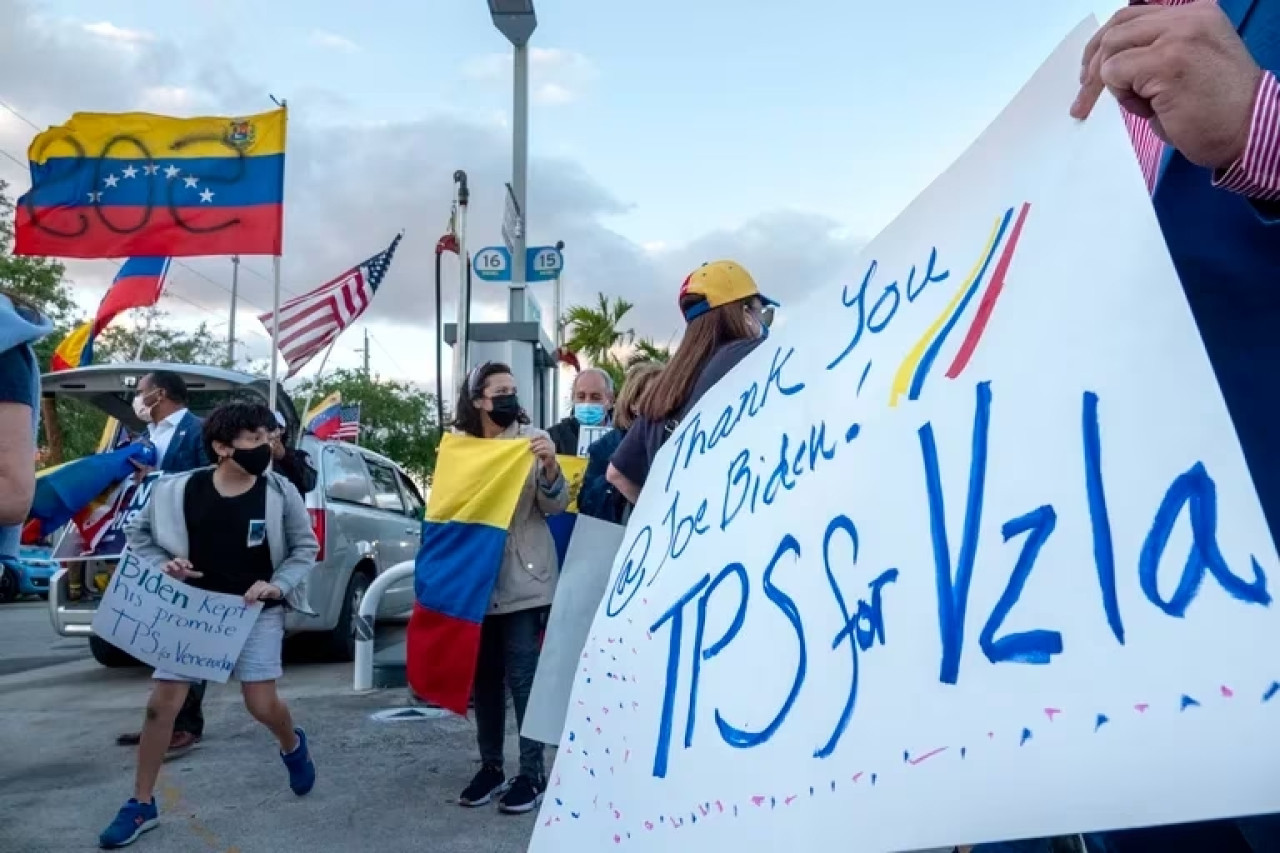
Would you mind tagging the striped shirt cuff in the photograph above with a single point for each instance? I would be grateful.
(1256, 174)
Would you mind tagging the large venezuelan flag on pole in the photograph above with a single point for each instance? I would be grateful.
(474, 493)
(109, 185)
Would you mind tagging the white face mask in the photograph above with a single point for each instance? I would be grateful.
(141, 409)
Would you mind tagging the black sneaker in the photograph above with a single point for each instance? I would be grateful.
(488, 782)
(524, 795)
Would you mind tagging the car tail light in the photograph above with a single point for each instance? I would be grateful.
(317, 526)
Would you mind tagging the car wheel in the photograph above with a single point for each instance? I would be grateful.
(342, 640)
(8, 584)
(109, 656)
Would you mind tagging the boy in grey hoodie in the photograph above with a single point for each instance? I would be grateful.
(231, 528)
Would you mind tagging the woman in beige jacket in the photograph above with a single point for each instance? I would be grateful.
(511, 636)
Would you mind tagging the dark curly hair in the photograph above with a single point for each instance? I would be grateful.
(468, 417)
(226, 422)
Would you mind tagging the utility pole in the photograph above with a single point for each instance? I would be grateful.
(366, 353)
(231, 324)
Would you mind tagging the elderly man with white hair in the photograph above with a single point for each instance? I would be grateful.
(592, 407)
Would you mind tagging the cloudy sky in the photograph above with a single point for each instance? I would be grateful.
(662, 135)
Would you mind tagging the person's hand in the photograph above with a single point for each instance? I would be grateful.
(546, 453)
(180, 569)
(261, 591)
(141, 470)
(1184, 68)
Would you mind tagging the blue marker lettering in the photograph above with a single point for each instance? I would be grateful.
(1099, 519)
(738, 571)
(674, 614)
(1195, 490)
(1028, 646)
(740, 737)
(953, 591)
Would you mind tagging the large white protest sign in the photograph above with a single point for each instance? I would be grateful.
(171, 625)
(583, 581)
(967, 551)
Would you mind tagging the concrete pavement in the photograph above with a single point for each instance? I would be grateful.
(384, 787)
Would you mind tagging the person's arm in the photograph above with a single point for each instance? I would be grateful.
(1256, 175)
(593, 497)
(624, 484)
(17, 439)
(139, 532)
(301, 542)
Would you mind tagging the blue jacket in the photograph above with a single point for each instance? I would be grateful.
(21, 328)
(1227, 251)
(597, 498)
(186, 450)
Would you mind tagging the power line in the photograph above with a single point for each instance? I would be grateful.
(388, 354)
(20, 116)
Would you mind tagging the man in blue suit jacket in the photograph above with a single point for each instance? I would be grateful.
(160, 401)
(1200, 78)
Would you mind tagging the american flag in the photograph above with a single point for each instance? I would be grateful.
(310, 322)
(349, 426)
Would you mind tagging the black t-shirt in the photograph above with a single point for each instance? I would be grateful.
(227, 536)
(17, 365)
(642, 442)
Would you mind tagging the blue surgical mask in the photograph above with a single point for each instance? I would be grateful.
(589, 414)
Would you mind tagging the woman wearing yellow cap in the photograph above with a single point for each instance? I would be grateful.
(726, 318)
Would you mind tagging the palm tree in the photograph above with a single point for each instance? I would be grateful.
(595, 333)
(647, 350)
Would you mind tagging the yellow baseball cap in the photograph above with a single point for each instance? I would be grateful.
(718, 283)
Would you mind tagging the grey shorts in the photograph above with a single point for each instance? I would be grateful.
(259, 659)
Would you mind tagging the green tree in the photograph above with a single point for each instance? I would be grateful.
(397, 419)
(595, 332)
(647, 350)
(161, 343)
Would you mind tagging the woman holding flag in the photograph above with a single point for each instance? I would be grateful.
(511, 633)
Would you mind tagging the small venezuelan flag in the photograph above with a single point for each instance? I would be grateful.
(107, 185)
(137, 285)
(325, 418)
(477, 485)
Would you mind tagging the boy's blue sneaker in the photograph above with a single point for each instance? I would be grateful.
(133, 819)
(302, 770)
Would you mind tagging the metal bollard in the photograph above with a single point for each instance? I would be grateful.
(362, 680)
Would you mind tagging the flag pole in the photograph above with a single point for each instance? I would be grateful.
(275, 304)
(275, 328)
(319, 373)
(231, 324)
(142, 336)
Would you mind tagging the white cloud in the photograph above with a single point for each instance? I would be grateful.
(110, 32)
(556, 76)
(333, 41)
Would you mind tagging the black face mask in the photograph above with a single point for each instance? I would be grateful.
(506, 410)
(253, 460)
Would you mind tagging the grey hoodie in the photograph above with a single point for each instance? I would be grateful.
(158, 533)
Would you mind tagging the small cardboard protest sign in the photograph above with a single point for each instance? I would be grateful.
(582, 584)
(967, 550)
(589, 435)
(170, 625)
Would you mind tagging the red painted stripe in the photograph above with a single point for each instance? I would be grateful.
(259, 231)
(441, 658)
(989, 298)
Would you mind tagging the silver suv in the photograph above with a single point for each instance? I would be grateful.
(365, 510)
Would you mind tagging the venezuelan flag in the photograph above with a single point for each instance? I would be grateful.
(473, 497)
(136, 285)
(574, 467)
(75, 350)
(109, 185)
(325, 417)
(64, 491)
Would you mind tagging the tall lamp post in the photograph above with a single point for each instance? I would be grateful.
(516, 20)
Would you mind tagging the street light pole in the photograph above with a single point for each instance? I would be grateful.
(516, 20)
